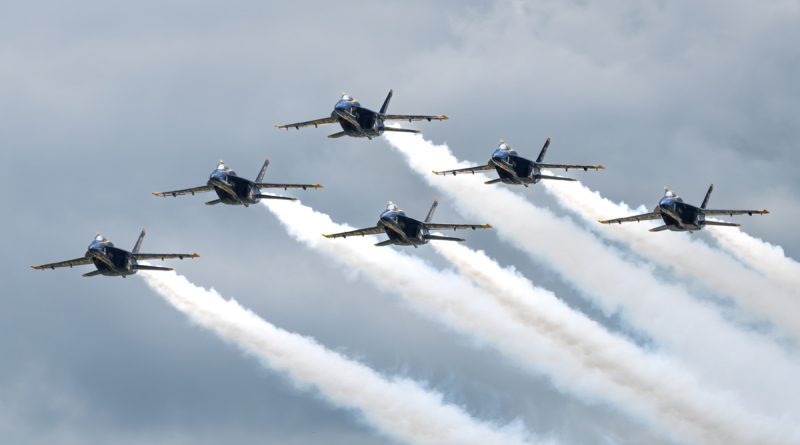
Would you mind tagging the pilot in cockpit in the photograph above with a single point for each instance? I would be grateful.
(391, 206)
(503, 145)
(221, 166)
(669, 193)
(99, 237)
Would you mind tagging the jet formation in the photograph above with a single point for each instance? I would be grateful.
(402, 230)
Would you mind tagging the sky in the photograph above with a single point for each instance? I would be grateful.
(105, 102)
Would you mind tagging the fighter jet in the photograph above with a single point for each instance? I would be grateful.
(360, 122)
(233, 190)
(681, 217)
(514, 169)
(405, 231)
(115, 262)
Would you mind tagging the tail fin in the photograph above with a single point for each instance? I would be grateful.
(138, 244)
(260, 176)
(544, 150)
(430, 212)
(708, 195)
(385, 105)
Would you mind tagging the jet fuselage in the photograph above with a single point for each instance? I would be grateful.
(233, 190)
(402, 230)
(526, 171)
(109, 260)
(679, 216)
(347, 113)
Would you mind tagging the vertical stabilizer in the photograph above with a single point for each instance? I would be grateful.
(263, 171)
(138, 244)
(385, 105)
(708, 195)
(544, 150)
(430, 212)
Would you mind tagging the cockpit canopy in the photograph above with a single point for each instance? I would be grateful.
(392, 206)
(99, 237)
(669, 194)
(503, 146)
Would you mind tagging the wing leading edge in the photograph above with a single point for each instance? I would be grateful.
(268, 185)
(465, 170)
(413, 117)
(440, 226)
(637, 218)
(69, 263)
(162, 256)
(191, 191)
(567, 167)
(734, 212)
(360, 232)
(315, 123)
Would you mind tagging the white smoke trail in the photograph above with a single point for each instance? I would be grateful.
(681, 410)
(398, 408)
(762, 256)
(543, 311)
(723, 355)
(688, 257)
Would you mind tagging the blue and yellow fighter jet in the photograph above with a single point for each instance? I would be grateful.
(514, 169)
(115, 262)
(681, 217)
(405, 231)
(360, 122)
(233, 190)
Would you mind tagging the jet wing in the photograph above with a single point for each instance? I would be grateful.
(734, 212)
(360, 232)
(465, 170)
(191, 191)
(269, 185)
(69, 263)
(162, 256)
(413, 117)
(572, 166)
(315, 123)
(438, 226)
(637, 218)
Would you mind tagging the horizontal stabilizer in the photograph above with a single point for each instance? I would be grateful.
(659, 228)
(92, 273)
(143, 267)
(443, 238)
(276, 197)
(211, 203)
(493, 181)
(722, 223)
(388, 242)
(558, 178)
(337, 135)
(402, 130)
